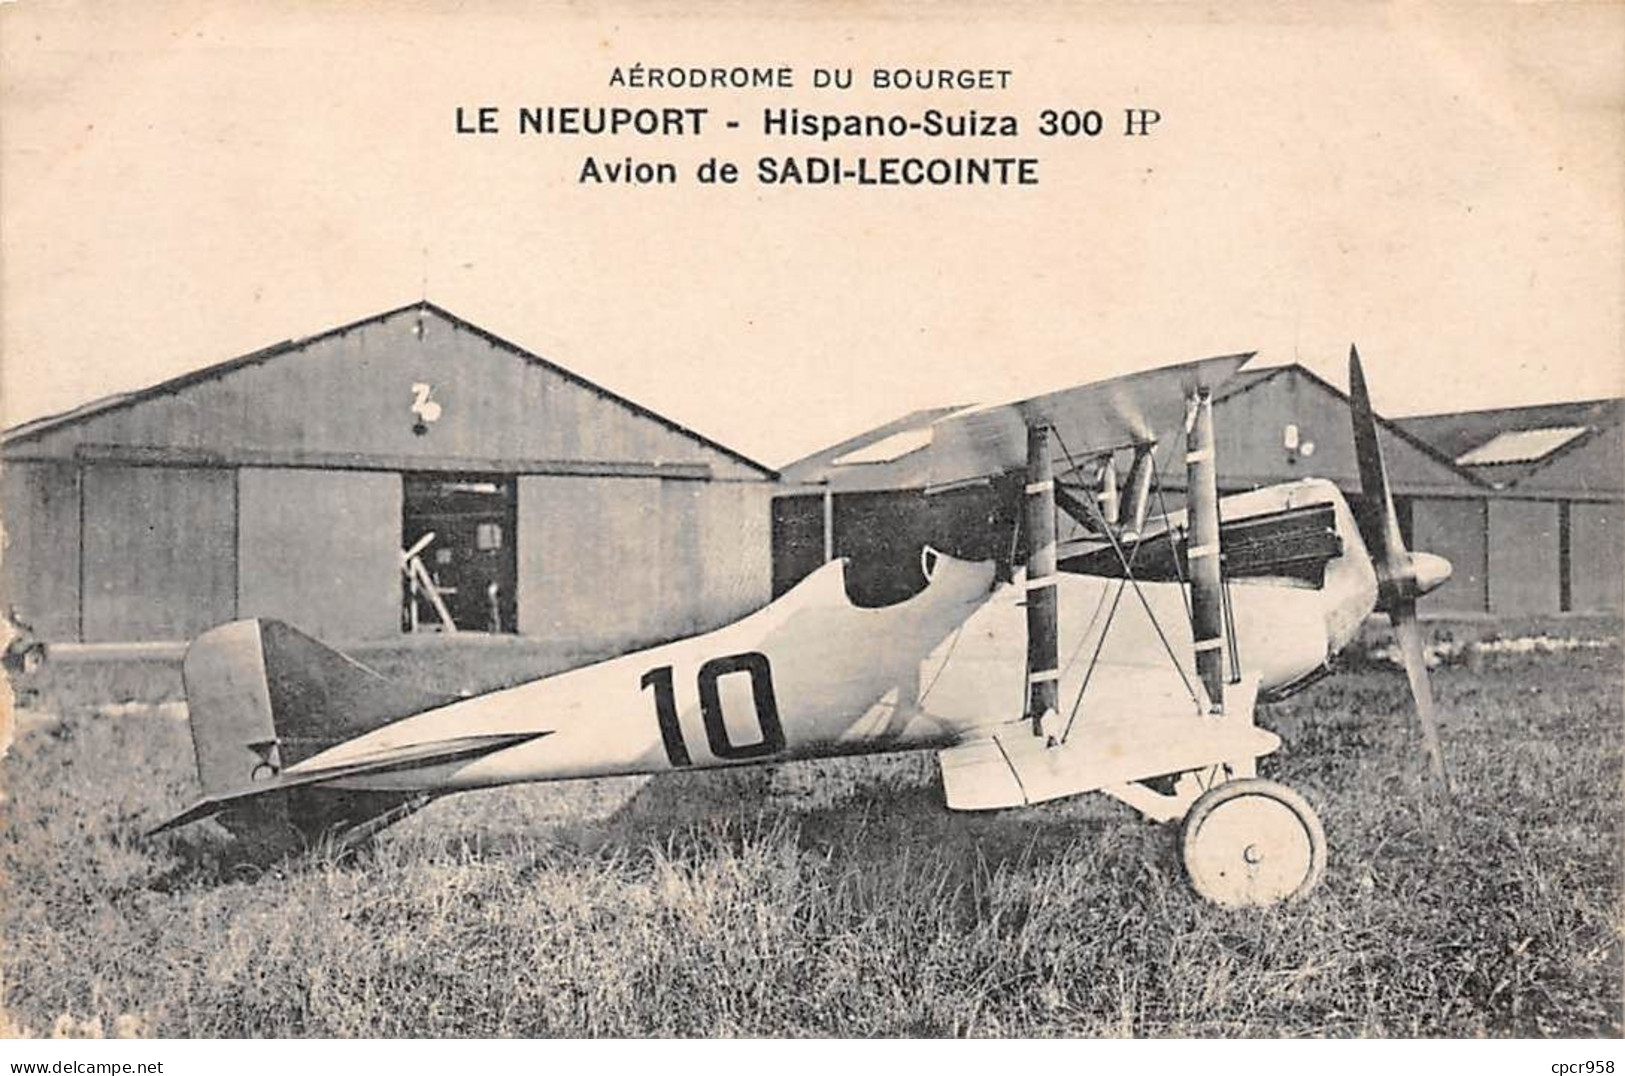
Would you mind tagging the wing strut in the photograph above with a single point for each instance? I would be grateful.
(1043, 648)
(1138, 490)
(1207, 586)
(1108, 490)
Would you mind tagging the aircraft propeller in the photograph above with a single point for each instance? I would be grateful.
(1402, 576)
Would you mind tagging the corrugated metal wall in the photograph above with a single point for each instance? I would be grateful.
(39, 565)
(1596, 558)
(321, 550)
(158, 551)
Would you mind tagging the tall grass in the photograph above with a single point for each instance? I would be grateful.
(839, 899)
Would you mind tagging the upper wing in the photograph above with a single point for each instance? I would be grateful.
(1134, 409)
(951, 445)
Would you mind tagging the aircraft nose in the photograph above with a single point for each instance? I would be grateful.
(1430, 571)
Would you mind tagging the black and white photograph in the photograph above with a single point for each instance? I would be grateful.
(811, 521)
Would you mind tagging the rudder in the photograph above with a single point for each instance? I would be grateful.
(262, 696)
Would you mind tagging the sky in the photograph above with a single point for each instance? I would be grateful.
(1443, 185)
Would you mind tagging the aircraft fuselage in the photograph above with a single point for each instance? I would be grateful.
(812, 674)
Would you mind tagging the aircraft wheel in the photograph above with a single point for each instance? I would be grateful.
(1251, 843)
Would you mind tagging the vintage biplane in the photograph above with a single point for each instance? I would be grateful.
(1078, 635)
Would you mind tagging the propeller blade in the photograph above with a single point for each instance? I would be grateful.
(1378, 520)
(1409, 633)
(1401, 577)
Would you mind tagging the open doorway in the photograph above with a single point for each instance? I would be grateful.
(460, 530)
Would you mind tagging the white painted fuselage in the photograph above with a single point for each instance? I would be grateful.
(812, 674)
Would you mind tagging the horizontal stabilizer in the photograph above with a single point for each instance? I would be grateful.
(391, 760)
(1013, 768)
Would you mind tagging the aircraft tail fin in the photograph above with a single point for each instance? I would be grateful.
(263, 697)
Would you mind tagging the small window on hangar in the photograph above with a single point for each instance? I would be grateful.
(458, 533)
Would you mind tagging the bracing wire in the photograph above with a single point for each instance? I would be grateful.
(1094, 659)
(953, 644)
(1129, 578)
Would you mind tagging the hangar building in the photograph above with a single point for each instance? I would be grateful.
(1554, 524)
(1525, 503)
(290, 481)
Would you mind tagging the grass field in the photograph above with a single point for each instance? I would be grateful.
(840, 899)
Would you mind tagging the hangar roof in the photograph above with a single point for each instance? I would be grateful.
(1507, 446)
(38, 434)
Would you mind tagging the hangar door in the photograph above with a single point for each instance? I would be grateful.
(1454, 529)
(1596, 558)
(1525, 560)
(158, 554)
(589, 561)
(39, 552)
(606, 563)
(460, 527)
(319, 549)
